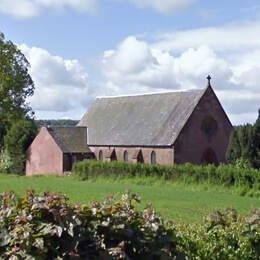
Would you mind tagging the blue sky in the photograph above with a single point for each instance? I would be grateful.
(80, 49)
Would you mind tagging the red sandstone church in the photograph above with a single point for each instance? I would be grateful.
(165, 128)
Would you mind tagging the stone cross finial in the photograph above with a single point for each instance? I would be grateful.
(208, 78)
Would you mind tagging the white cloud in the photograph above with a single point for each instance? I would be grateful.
(136, 62)
(182, 60)
(19, 8)
(231, 37)
(61, 86)
(179, 60)
(29, 8)
(163, 6)
(131, 56)
(79, 5)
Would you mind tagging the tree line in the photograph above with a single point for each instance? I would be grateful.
(244, 145)
(56, 122)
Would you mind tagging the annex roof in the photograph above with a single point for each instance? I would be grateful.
(140, 120)
(70, 139)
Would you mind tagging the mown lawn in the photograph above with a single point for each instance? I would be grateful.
(173, 201)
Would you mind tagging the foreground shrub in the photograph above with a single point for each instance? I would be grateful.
(223, 235)
(229, 175)
(47, 227)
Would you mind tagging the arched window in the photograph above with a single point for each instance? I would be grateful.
(138, 156)
(125, 156)
(113, 156)
(153, 157)
(100, 155)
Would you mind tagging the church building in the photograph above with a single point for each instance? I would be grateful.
(164, 128)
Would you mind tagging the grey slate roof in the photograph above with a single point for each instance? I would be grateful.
(142, 120)
(70, 139)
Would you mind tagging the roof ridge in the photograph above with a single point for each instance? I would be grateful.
(70, 126)
(152, 93)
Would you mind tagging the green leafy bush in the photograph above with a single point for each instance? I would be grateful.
(48, 227)
(223, 235)
(228, 175)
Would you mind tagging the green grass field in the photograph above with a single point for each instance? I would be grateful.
(172, 200)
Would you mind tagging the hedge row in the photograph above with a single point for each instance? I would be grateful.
(48, 227)
(228, 175)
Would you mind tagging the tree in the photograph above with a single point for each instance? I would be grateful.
(15, 85)
(234, 147)
(245, 144)
(56, 122)
(245, 135)
(17, 140)
(256, 143)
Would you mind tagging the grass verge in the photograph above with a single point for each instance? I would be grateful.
(173, 200)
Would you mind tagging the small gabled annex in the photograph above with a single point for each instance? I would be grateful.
(56, 148)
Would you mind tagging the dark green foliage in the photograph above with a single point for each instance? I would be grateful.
(245, 144)
(256, 143)
(245, 135)
(56, 122)
(15, 85)
(234, 147)
(228, 175)
(223, 235)
(48, 227)
(17, 140)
